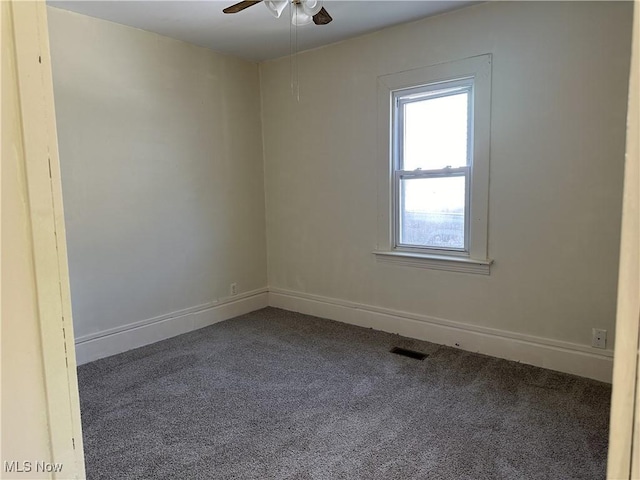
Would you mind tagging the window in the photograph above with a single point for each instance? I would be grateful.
(432, 164)
(435, 166)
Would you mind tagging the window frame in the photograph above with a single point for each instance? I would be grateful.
(400, 98)
(475, 73)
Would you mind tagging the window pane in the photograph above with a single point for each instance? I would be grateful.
(435, 132)
(432, 212)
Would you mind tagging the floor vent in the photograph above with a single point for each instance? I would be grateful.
(409, 353)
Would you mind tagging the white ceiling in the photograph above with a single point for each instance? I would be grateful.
(254, 34)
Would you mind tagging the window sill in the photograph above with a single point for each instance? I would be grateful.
(435, 262)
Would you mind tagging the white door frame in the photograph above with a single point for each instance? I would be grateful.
(52, 295)
(624, 437)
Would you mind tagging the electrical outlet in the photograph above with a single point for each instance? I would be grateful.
(233, 289)
(599, 338)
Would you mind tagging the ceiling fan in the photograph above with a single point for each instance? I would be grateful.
(303, 13)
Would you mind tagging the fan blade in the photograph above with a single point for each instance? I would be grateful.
(238, 7)
(322, 17)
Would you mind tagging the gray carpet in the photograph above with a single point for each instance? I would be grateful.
(280, 395)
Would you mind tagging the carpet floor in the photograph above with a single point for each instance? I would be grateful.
(281, 395)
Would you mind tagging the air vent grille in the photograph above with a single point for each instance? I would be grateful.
(409, 353)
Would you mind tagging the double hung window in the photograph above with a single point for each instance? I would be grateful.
(433, 131)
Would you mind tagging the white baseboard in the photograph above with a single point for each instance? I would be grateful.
(567, 357)
(118, 340)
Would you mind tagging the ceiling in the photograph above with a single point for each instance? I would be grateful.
(254, 34)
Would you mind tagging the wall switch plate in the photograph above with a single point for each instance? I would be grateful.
(599, 338)
(233, 289)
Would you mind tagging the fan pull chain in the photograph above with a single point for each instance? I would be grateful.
(297, 72)
(291, 48)
(293, 54)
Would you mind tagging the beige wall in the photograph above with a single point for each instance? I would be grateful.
(162, 161)
(161, 157)
(560, 75)
(25, 436)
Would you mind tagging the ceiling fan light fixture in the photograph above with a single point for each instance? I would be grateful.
(299, 17)
(276, 7)
(311, 7)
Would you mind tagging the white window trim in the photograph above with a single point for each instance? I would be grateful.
(477, 260)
